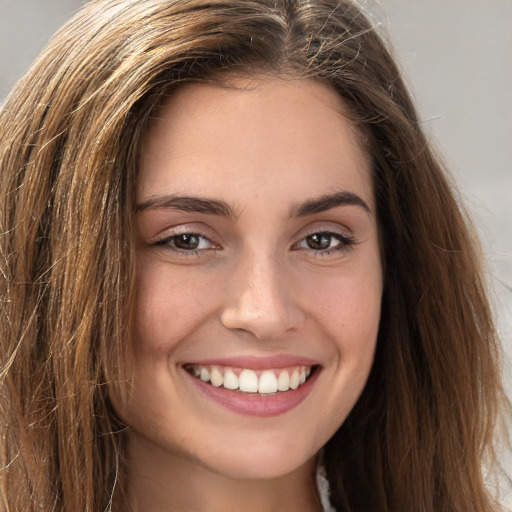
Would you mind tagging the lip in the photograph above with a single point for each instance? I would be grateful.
(254, 404)
(258, 363)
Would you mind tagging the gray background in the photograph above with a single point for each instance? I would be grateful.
(457, 58)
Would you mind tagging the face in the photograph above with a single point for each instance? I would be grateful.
(258, 280)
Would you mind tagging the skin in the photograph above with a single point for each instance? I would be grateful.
(254, 287)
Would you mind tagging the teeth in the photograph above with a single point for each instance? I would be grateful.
(230, 380)
(267, 383)
(248, 381)
(216, 377)
(283, 382)
(295, 380)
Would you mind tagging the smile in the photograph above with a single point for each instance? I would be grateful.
(245, 380)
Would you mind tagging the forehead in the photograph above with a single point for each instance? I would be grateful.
(287, 134)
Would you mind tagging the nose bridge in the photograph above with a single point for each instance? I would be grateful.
(260, 285)
(260, 298)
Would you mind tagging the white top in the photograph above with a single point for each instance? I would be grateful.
(323, 489)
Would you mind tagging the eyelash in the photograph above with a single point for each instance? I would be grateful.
(170, 243)
(344, 243)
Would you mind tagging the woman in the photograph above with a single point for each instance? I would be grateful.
(229, 258)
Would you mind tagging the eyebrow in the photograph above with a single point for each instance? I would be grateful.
(328, 202)
(223, 209)
(188, 204)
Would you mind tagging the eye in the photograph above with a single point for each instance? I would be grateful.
(186, 242)
(325, 242)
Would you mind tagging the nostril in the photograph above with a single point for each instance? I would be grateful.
(263, 325)
(259, 301)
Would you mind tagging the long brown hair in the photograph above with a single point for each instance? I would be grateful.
(421, 433)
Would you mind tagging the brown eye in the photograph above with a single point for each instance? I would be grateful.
(186, 241)
(320, 241)
(324, 243)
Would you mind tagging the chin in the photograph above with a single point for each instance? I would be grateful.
(260, 455)
(264, 465)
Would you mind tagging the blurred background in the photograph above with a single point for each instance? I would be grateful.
(456, 56)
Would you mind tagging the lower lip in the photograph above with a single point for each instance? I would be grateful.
(256, 405)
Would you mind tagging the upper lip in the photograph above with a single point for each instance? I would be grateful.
(258, 362)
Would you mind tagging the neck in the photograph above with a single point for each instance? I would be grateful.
(176, 483)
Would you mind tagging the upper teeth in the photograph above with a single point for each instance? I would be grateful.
(250, 381)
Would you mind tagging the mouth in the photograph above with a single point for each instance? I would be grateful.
(269, 381)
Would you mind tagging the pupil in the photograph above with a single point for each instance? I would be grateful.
(187, 241)
(319, 241)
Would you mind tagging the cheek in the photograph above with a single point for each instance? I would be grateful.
(347, 306)
(168, 306)
(347, 309)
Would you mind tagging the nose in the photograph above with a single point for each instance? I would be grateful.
(260, 300)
